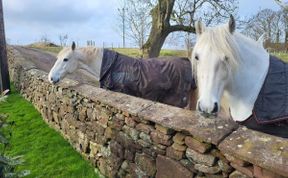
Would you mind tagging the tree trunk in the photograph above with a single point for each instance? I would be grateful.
(161, 28)
(4, 73)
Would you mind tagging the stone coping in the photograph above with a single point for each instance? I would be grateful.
(267, 151)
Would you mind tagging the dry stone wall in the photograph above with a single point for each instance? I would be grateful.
(125, 136)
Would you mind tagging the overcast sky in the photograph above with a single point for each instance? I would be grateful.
(26, 21)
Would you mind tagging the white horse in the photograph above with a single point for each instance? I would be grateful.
(229, 67)
(165, 80)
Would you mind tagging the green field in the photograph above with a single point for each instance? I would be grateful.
(45, 151)
(133, 52)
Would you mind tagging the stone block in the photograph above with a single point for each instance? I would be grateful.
(164, 130)
(146, 163)
(175, 154)
(197, 145)
(145, 137)
(179, 138)
(237, 174)
(130, 122)
(263, 173)
(199, 158)
(263, 150)
(145, 128)
(168, 168)
(245, 170)
(116, 149)
(207, 169)
(161, 138)
(178, 147)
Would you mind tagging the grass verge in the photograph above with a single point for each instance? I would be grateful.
(46, 152)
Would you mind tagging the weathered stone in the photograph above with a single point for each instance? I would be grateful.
(143, 143)
(263, 173)
(145, 128)
(197, 145)
(150, 151)
(196, 157)
(161, 138)
(237, 161)
(120, 117)
(133, 133)
(94, 147)
(103, 121)
(162, 147)
(164, 130)
(97, 128)
(116, 149)
(207, 169)
(146, 164)
(90, 135)
(129, 155)
(178, 147)
(225, 167)
(256, 147)
(125, 165)
(179, 138)
(109, 134)
(145, 137)
(245, 170)
(189, 165)
(127, 142)
(136, 171)
(130, 122)
(208, 130)
(117, 124)
(237, 174)
(175, 154)
(105, 151)
(82, 114)
(158, 150)
(167, 167)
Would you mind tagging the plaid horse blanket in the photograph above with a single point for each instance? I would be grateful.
(167, 80)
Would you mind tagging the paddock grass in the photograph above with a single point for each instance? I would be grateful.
(133, 52)
(282, 55)
(45, 151)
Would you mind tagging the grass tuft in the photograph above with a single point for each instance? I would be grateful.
(45, 152)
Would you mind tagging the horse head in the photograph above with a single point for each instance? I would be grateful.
(67, 62)
(226, 63)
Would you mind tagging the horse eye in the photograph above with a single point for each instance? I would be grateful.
(196, 57)
(65, 59)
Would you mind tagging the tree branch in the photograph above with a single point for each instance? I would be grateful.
(183, 28)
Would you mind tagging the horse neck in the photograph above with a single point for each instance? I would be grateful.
(92, 61)
(246, 82)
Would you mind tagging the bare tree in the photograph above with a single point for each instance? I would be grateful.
(138, 21)
(4, 72)
(63, 39)
(180, 15)
(265, 21)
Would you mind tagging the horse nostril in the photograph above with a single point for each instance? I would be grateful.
(51, 78)
(215, 109)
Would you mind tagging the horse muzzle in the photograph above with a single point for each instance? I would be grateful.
(206, 112)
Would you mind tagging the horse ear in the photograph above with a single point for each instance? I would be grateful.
(73, 46)
(232, 24)
(199, 27)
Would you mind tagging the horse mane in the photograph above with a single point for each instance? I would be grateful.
(221, 40)
(87, 53)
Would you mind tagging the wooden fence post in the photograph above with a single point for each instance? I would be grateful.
(4, 72)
